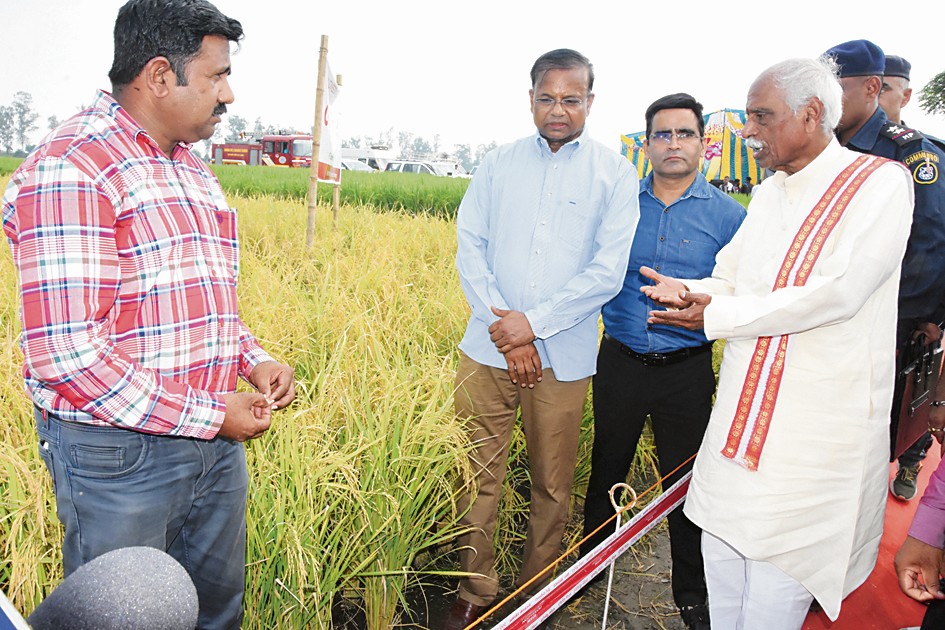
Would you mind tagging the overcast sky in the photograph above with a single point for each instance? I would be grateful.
(460, 68)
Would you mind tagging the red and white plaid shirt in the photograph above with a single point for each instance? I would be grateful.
(127, 264)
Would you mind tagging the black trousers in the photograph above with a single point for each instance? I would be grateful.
(935, 615)
(678, 400)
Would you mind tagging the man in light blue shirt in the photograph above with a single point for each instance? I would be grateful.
(544, 235)
(661, 371)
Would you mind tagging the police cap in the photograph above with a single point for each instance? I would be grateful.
(858, 58)
(896, 66)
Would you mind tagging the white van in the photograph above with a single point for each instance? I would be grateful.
(443, 169)
(377, 156)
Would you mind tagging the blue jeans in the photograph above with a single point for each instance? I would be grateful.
(118, 488)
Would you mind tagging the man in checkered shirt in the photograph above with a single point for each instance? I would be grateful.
(128, 258)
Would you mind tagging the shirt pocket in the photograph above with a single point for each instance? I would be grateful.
(695, 246)
(226, 247)
(692, 258)
(577, 220)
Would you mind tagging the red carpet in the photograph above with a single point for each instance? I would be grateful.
(879, 604)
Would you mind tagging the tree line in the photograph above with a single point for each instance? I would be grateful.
(411, 146)
(19, 118)
(932, 96)
(18, 122)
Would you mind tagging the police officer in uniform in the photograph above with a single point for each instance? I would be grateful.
(864, 127)
(896, 92)
(895, 95)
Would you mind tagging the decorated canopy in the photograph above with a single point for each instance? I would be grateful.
(725, 155)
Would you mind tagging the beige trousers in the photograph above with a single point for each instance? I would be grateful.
(487, 402)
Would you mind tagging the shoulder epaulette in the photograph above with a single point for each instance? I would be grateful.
(899, 134)
(937, 142)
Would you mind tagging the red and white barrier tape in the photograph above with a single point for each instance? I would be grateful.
(556, 593)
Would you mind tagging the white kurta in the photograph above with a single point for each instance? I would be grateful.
(814, 508)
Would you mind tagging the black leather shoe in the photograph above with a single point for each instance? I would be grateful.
(461, 614)
(695, 617)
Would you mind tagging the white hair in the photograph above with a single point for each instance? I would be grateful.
(800, 80)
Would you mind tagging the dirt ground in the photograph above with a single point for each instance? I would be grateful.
(640, 599)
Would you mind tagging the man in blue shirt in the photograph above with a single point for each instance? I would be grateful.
(660, 371)
(864, 127)
(544, 234)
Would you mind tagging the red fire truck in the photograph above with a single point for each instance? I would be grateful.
(287, 150)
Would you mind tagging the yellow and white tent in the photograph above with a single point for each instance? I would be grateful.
(725, 155)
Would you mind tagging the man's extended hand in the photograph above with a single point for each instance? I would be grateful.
(274, 380)
(248, 415)
(919, 567)
(512, 330)
(667, 291)
(690, 318)
(524, 365)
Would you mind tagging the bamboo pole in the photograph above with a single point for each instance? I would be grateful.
(336, 193)
(316, 143)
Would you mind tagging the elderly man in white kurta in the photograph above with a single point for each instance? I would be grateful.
(790, 483)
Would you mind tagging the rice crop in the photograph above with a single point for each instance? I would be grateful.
(352, 491)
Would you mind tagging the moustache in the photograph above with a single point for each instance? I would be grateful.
(753, 144)
(219, 110)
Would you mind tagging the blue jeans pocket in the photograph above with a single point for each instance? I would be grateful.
(102, 452)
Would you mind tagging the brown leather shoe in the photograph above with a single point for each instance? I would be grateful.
(462, 613)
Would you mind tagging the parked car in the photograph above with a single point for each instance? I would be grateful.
(444, 169)
(449, 168)
(376, 156)
(409, 166)
(355, 165)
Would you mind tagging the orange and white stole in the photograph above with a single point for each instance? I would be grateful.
(746, 437)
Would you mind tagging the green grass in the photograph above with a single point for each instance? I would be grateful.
(742, 199)
(404, 192)
(410, 193)
(9, 164)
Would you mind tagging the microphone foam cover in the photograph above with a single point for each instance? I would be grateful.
(133, 588)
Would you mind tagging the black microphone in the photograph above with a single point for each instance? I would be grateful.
(134, 588)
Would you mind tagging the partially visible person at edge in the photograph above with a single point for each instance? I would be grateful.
(544, 234)
(895, 93)
(920, 562)
(789, 484)
(127, 257)
(893, 97)
(660, 371)
(865, 128)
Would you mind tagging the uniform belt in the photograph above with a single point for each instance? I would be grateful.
(651, 359)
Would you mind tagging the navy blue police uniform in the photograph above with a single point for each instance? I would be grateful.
(922, 287)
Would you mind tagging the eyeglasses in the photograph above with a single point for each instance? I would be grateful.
(571, 102)
(683, 135)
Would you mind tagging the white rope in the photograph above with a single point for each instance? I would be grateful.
(610, 572)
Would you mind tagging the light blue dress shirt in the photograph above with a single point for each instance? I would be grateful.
(547, 234)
